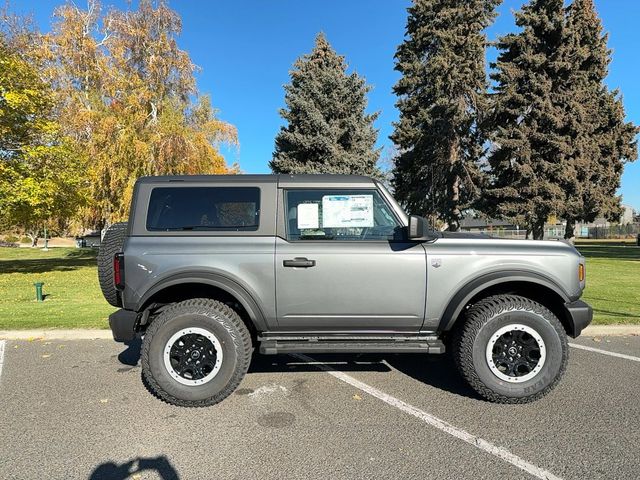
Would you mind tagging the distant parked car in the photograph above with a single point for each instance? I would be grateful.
(91, 240)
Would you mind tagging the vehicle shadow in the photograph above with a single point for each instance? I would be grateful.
(437, 371)
(342, 363)
(112, 471)
(131, 356)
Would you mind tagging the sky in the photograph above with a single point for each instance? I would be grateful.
(245, 49)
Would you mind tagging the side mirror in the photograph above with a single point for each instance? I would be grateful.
(418, 228)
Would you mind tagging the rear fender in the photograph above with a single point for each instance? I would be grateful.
(206, 278)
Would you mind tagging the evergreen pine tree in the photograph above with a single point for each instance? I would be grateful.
(327, 130)
(442, 97)
(602, 140)
(531, 143)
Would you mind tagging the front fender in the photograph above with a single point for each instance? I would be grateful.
(464, 295)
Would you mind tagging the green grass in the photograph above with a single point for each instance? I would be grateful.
(74, 299)
(613, 282)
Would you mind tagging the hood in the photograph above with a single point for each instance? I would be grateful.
(476, 236)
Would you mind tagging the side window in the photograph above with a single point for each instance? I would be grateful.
(340, 215)
(204, 208)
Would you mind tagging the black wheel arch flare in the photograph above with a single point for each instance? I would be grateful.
(485, 282)
(226, 284)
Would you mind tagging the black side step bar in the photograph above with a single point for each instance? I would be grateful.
(279, 345)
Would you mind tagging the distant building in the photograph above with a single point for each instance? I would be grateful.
(491, 226)
(554, 228)
(627, 215)
(471, 224)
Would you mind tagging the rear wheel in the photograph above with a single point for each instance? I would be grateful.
(195, 353)
(511, 349)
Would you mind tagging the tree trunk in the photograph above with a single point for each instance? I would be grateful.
(34, 239)
(455, 214)
(569, 229)
(538, 230)
(454, 222)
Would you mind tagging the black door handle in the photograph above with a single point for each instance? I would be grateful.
(299, 262)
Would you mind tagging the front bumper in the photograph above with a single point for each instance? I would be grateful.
(579, 315)
(122, 324)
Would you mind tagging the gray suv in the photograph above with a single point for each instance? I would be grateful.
(209, 268)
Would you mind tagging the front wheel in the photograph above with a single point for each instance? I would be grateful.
(195, 353)
(511, 349)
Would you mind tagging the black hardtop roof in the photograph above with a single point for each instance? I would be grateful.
(280, 179)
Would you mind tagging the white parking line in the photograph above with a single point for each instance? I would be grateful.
(2, 342)
(605, 352)
(434, 421)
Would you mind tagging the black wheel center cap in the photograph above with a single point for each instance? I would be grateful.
(512, 351)
(195, 354)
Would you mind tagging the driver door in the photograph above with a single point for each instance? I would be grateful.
(345, 264)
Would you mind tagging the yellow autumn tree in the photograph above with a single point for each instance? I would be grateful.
(41, 172)
(126, 93)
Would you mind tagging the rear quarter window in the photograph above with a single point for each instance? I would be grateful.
(203, 209)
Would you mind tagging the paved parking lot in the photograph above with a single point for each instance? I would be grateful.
(78, 409)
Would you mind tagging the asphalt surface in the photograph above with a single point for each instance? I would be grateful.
(78, 409)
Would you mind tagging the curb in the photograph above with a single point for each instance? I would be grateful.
(40, 334)
(610, 330)
(98, 334)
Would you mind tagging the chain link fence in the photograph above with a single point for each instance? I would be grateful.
(600, 232)
(630, 230)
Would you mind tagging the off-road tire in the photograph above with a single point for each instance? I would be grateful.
(215, 317)
(111, 244)
(485, 318)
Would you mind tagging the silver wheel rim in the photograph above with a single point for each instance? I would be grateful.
(180, 336)
(497, 342)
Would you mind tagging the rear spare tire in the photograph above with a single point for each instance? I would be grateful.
(195, 353)
(111, 244)
(511, 349)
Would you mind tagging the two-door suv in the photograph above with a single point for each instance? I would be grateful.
(209, 268)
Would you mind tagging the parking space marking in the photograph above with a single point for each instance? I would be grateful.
(436, 422)
(605, 352)
(2, 342)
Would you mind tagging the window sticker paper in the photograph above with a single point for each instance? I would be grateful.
(339, 211)
(308, 215)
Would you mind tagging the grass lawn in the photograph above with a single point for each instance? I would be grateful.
(70, 281)
(74, 299)
(613, 281)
